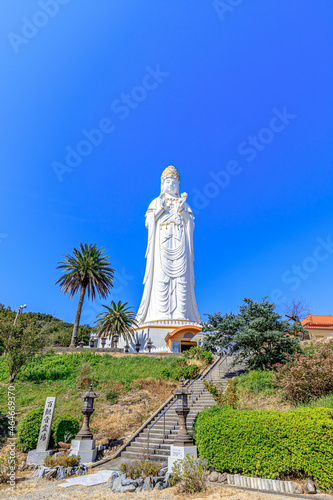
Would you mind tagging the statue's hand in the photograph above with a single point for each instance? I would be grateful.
(163, 203)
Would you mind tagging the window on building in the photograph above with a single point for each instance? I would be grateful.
(175, 346)
(188, 335)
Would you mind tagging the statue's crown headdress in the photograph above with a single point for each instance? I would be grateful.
(170, 171)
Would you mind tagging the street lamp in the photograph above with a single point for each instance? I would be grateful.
(182, 410)
(149, 345)
(87, 410)
(20, 309)
(103, 342)
(115, 339)
(137, 346)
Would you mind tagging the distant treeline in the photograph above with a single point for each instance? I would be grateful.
(59, 331)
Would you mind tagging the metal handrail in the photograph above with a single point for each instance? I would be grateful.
(226, 361)
(163, 414)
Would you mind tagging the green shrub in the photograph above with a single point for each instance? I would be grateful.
(65, 429)
(62, 460)
(189, 474)
(257, 381)
(199, 353)
(140, 468)
(166, 373)
(3, 426)
(28, 430)
(269, 444)
(188, 372)
(112, 396)
(227, 397)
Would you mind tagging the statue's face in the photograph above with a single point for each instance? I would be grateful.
(170, 186)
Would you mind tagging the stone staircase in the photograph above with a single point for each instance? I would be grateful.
(153, 440)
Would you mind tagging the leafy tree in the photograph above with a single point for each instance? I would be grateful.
(86, 270)
(257, 335)
(117, 319)
(21, 343)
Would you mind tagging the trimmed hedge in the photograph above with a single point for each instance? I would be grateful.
(28, 430)
(65, 429)
(269, 444)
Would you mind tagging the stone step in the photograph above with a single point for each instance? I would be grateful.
(152, 450)
(164, 427)
(154, 441)
(163, 459)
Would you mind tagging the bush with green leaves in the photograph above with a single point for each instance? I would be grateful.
(140, 468)
(189, 474)
(227, 397)
(257, 381)
(28, 430)
(112, 396)
(65, 429)
(189, 372)
(199, 353)
(269, 444)
(256, 335)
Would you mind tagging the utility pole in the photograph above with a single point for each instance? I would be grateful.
(20, 309)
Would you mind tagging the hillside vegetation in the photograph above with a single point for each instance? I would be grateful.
(59, 332)
(130, 388)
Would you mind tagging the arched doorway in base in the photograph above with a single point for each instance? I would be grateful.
(180, 339)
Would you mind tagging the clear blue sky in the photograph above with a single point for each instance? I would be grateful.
(241, 94)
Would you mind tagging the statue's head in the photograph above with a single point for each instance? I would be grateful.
(170, 181)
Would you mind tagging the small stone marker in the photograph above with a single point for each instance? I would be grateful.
(45, 428)
(37, 456)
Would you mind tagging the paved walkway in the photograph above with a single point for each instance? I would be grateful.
(49, 490)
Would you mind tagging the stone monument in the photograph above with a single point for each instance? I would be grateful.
(37, 456)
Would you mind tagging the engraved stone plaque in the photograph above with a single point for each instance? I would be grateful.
(45, 428)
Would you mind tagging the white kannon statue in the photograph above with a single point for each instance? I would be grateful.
(169, 278)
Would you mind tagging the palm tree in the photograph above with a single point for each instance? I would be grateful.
(87, 269)
(117, 319)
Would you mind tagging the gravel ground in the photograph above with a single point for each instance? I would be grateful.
(48, 490)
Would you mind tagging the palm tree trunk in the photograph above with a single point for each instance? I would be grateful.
(78, 316)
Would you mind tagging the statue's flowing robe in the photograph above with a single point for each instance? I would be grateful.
(169, 277)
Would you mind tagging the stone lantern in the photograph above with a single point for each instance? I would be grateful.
(182, 410)
(103, 342)
(84, 444)
(137, 346)
(149, 345)
(183, 444)
(81, 343)
(91, 343)
(126, 348)
(115, 339)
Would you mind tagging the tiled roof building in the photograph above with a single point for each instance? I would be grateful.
(318, 325)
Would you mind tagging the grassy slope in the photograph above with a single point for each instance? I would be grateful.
(257, 391)
(136, 379)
